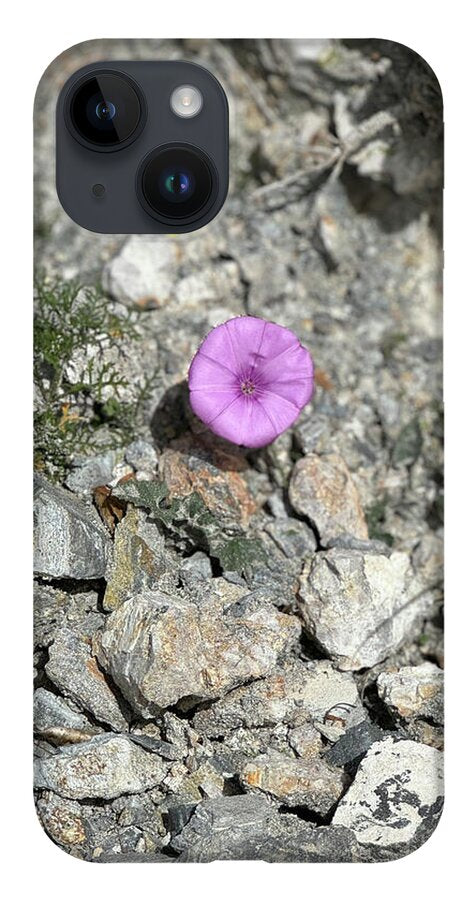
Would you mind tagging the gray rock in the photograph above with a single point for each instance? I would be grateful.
(228, 828)
(210, 285)
(294, 694)
(179, 732)
(142, 456)
(397, 791)
(360, 606)
(427, 559)
(347, 542)
(354, 744)
(276, 504)
(204, 782)
(322, 489)
(104, 767)
(70, 541)
(197, 565)
(139, 561)
(89, 473)
(179, 815)
(161, 649)
(54, 608)
(306, 740)
(244, 744)
(136, 857)
(74, 670)
(128, 827)
(295, 539)
(143, 271)
(293, 840)
(341, 63)
(155, 745)
(63, 821)
(311, 783)
(413, 691)
(55, 721)
(414, 697)
(249, 827)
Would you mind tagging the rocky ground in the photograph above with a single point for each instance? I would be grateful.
(239, 654)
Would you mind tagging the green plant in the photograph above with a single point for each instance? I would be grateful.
(191, 524)
(78, 408)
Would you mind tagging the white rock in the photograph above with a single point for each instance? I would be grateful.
(359, 606)
(398, 788)
(160, 649)
(322, 489)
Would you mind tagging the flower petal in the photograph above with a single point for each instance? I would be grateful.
(245, 335)
(235, 343)
(217, 346)
(297, 391)
(293, 362)
(276, 341)
(205, 372)
(245, 422)
(280, 412)
(208, 405)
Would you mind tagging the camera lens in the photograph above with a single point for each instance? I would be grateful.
(105, 110)
(177, 182)
(176, 186)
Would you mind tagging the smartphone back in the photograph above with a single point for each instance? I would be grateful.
(238, 649)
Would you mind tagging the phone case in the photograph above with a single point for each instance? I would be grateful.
(238, 651)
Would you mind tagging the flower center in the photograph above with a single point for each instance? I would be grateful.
(247, 387)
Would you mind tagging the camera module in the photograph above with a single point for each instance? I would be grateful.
(106, 110)
(142, 146)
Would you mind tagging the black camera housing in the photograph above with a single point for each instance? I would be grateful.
(101, 173)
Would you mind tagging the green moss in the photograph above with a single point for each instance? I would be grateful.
(239, 554)
(375, 517)
(390, 342)
(408, 445)
(79, 410)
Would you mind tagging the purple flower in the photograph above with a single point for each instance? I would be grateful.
(249, 380)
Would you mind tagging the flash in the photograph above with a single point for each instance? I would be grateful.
(186, 101)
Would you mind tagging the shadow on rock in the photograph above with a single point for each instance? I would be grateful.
(172, 416)
(174, 425)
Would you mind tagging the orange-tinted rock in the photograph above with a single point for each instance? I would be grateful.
(217, 474)
(295, 782)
